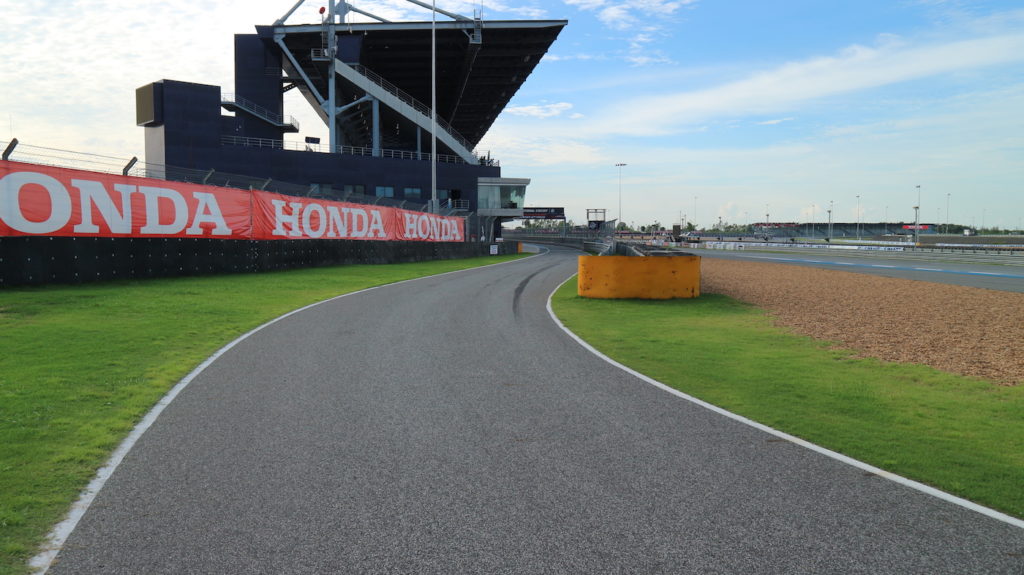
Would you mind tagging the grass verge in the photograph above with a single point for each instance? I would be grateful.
(82, 364)
(961, 435)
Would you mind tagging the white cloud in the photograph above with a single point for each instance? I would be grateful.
(640, 52)
(630, 13)
(397, 10)
(562, 152)
(586, 4)
(774, 122)
(527, 147)
(647, 19)
(792, 85)
(567, 57)
(540, 111)
(80, 77)
(648, 59)
(967, 145)
(617, 17)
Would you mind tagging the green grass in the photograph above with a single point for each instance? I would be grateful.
(82, 364)
(964, 436)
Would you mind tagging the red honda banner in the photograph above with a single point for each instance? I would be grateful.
(49, 201)
(278, 216)
(43, 200)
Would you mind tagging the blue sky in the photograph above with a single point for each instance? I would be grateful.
(720, 109)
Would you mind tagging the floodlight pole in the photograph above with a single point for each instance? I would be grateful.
(830, 208)
(917, 225)
(858, 218)
(434, 207)
(332, 104)
(619, 166)
(947, 214)
(917, 221)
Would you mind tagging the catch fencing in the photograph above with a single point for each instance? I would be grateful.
(65, 225)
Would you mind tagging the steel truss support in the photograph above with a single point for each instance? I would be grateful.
(352, 8)
(451, 15)
(280, 21)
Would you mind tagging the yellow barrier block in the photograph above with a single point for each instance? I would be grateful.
(635, 277)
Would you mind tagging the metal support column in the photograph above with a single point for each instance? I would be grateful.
(10, 149)
(332, 106)
(433, 107)
(376, 127)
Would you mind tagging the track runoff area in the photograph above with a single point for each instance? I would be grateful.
(1003, 272)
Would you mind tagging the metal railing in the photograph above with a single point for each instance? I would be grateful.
(350, 150)
(70, 159)
(564, 231)
(260, 111)
(599, 248)
(124, 166)
(1008, 255)
(450, 204)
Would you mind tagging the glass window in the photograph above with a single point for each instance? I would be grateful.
(385, 192)
(488, 197)
(355, 189)
(495, 196)
(413, 193)
(512, 196)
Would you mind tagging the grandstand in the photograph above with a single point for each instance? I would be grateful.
(847, 230)
(371, 83)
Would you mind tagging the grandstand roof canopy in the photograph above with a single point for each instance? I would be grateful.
(480, 64)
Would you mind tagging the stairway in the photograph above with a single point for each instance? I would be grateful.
(394, 98)
(237, 103)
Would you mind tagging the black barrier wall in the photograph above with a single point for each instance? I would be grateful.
(40, 260)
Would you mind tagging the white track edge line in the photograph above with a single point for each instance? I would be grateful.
(55, 540)
(992, 513)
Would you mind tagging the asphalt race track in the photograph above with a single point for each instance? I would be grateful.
(448, 425)
(1008, 275)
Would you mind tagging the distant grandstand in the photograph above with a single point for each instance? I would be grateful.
(821, 230)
